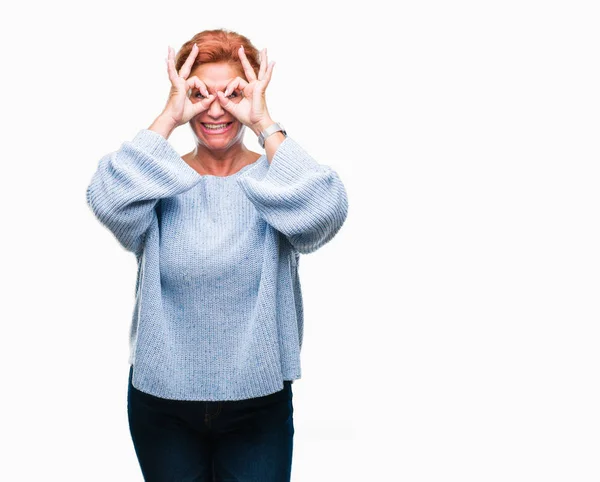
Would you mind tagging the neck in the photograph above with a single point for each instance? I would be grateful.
(220, 162)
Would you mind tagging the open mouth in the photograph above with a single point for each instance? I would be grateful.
(216, 128)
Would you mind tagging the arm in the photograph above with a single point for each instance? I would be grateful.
(304, 200)
(129, 182)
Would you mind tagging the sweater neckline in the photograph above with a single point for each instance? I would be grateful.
(237, 173)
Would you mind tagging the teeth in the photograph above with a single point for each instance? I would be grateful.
(216, 126)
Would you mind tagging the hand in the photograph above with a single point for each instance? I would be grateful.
(180, 109)
(251, 110)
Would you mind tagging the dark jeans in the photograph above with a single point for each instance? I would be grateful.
(235, 440)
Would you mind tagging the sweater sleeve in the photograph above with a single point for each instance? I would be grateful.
(129, 182)
(304, 200)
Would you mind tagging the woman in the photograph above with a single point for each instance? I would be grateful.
(217, 325)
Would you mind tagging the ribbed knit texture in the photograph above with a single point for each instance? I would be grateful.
(218, 311)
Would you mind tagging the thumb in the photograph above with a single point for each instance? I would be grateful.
(226, 103)
(203, 105)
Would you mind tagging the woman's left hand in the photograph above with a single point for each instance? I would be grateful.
(251, 110)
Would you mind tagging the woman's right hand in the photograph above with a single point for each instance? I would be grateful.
(179, 108)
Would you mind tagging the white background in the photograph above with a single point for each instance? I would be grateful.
(451, 327)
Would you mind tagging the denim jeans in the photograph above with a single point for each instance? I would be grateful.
(212, 441)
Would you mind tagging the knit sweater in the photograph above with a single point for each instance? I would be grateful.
(218, 312)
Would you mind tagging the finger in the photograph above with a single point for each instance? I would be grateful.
(173, 77)
(268, 74)
(263, 64)
(195, 83)
(187, 66)
(248, 70)
(237, 83)
(258, 97)
(226, 103)
(203, 105)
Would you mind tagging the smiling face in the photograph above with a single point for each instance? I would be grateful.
(215, 128)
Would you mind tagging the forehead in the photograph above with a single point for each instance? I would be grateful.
(216, 75)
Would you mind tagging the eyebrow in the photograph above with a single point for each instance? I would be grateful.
(209, 87)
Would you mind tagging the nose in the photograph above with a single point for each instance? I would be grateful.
(215, 110)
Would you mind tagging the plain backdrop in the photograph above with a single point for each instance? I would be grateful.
(451, 327)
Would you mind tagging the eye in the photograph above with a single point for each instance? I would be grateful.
(199, 95)
(233, 95)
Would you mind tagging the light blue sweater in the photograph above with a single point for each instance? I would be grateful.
(218, 306)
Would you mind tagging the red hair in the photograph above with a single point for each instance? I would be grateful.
(218, 46)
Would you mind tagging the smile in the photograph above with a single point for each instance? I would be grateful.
(216, 128)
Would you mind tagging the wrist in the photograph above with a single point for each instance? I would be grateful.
(262, 125)
(275, 130)
(163, 125)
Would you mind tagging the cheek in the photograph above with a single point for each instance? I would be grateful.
(239, 132)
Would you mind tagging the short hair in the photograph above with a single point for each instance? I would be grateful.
(218, 45)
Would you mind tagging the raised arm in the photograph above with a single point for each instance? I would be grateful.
(304, 200)
(129, 182)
